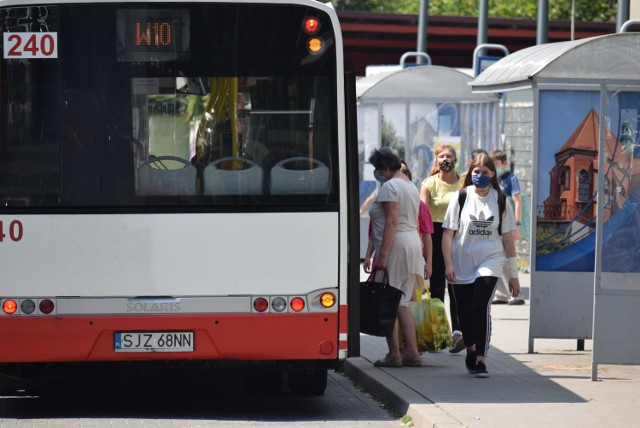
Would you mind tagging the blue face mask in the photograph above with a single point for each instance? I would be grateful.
(499, 172)
(379, 177)
(480, 180)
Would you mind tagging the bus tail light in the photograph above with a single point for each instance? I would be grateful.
(311, 25)
(46, 306)
(260, 304)
(297, 304)
(278, 304)
(327, 300)
(27, 306)
(315, 45)
(9, 306)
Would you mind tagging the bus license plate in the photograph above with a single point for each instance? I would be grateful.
(154, 341)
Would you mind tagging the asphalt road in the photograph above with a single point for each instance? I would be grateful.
(162, 399)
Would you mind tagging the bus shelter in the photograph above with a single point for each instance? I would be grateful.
(586, 188)
(413, 111)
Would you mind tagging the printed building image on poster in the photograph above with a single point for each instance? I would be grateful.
(621, 230)
(567, 183)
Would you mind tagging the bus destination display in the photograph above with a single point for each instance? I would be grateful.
(152, 35)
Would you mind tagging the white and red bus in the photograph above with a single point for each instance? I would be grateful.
(173, 185)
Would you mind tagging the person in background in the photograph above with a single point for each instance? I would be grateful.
(476, 239)
(510, 187)
(436, 191)
(398, 249)
(473, 155)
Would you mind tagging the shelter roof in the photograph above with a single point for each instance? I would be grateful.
(613, 57)
(428, 82)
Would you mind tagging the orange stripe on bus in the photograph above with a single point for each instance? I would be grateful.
(344, 312)
(230, 336)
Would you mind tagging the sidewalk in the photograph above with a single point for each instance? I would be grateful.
(551, 387)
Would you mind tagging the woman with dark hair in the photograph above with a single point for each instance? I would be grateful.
(476, 243)
(398, 249)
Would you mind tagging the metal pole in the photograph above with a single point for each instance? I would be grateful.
(477, 52)
(623, 14)
(602, 132)
(422, 29)
(573, 19)
(483, 24)
(542, 35)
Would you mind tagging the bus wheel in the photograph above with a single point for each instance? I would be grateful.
(307, 383)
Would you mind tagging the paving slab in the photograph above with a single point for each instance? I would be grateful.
(550, 387)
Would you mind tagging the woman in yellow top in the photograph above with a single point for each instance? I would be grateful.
(436, 191)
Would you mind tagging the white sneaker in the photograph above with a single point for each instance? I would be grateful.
(458, 343)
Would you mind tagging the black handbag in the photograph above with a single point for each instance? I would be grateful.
(379, 303)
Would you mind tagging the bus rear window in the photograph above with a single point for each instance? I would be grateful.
(170, 109)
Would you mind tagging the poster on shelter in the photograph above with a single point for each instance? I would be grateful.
(569, 132)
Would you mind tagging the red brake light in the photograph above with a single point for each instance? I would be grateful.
(46, 306)
(260, 304)
(297, 304)
(311, 25)
(9, 306)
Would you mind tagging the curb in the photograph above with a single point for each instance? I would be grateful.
(397, 395)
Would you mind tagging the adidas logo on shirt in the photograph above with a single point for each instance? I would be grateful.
(481, 225)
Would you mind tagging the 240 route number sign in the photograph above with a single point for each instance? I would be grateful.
(30, 45)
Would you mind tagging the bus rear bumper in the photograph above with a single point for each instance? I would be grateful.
(247, 337)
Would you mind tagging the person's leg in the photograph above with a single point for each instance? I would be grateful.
(393, 344)
(407, 323)
(393, 358)
(453, 309)
(463, 294)
(483, 290)
(437, 282)
(408, 327)
(457, 344)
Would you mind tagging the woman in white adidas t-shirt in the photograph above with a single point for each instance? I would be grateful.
(475, 245)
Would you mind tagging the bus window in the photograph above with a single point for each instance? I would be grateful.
(230, 136)
(197, 119)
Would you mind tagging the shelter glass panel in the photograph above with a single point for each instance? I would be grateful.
(621, 213)
(568, 143)
(393, 127)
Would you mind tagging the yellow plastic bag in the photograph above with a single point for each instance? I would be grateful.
(432, 325)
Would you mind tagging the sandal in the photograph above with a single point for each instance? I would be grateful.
(388, 362)
(412, 362)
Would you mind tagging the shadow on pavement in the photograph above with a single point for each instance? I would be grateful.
(443, 378)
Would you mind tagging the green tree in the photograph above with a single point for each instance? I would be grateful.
(390, 137)
(586, 10)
